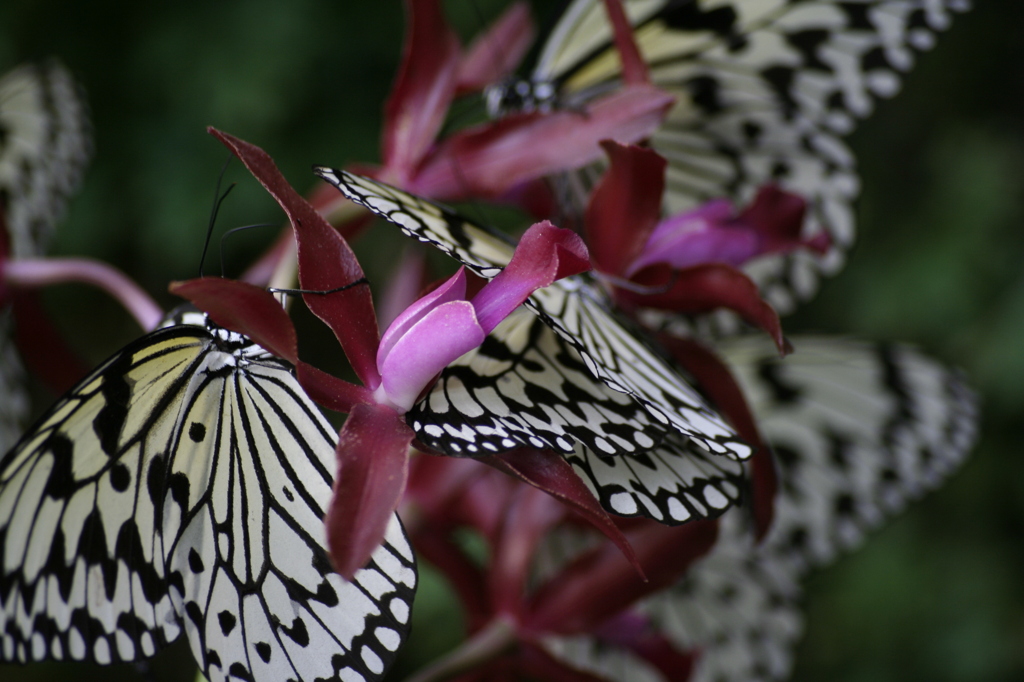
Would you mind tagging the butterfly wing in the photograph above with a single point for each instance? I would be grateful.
(576, 310)
(181, 487)
(45, 143)
(859, 429)
(764, 91)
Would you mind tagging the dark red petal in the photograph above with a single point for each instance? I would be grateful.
(551, 473)
(624, 207)
(530, 515)
(778, 216)
(373, 458)
(464, 575)
(718, 383)
(600, 583)
(424, 88)
(703, 288)
(497, 52)
(326, 263)
(634, 68)
(490, 160)
(243, 308)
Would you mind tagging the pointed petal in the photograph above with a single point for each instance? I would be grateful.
(600, 583)
(634, 68)
(326, 263)
(489, 160)
(329, 391)
(624, 207)
(549, 472)
(703, 288)
(373, 458)
(423, 90)
(497, 52)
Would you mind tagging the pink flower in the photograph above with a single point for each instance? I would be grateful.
(395, 369)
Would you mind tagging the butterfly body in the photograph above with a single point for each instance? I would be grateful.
(180, 488)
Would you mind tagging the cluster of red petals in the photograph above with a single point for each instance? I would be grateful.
(591, 594)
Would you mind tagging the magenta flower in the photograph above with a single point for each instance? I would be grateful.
(687, 263)
(394, 369)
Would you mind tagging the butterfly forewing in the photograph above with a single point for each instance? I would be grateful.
(181, 487)
(572, 307)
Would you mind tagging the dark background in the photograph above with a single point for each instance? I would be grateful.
(938, 594)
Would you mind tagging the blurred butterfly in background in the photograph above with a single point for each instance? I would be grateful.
(180, 488)
(765, 90)
(45, 144)
(859, 430)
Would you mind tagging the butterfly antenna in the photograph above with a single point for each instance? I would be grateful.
(231, 232)
(218, 199)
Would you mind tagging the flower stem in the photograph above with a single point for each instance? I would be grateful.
(38, 272)
(487, 644)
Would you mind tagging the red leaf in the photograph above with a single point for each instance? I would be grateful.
(326, 263)
(373, 460)
(624, 207)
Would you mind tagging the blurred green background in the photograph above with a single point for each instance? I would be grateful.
(937, 594)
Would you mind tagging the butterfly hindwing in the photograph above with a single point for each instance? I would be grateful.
(573, 307)
(180, 488)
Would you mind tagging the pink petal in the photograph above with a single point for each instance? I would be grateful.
(490, 160)
(624, 207)
(452, 290)
(498, 51)
(442, 335)
(601, 583)
(634, 68)
(423, 90)
(544, 254)
(373, 454)
(703, 288)
(778, 217)
(715, 379)
(406, 283)
(549, 472)
(326, 263)
(243, 308)
(703, 235)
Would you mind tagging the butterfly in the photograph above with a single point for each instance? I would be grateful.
(180, 489)
(580, 314)
(765, 91)
(859, 430)
(45, 143)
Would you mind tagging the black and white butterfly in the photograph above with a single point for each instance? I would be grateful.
(180, 489)
(765, 89)
(580, 313)
(859, 430)
(45, 143)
